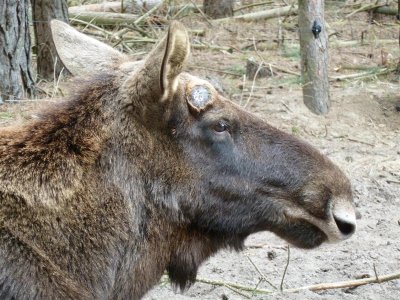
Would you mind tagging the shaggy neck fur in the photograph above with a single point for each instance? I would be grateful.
(61, 163)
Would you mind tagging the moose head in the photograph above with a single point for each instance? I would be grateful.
(196, 170)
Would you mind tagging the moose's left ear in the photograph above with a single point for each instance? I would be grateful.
(176, 54)
(81, 54)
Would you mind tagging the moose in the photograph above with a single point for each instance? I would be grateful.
(146, 169)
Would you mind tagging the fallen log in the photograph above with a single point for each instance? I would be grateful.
(352, 43)
(115, 7)
(252, 5)
(103, 18)
(145, 40)
(263, 15)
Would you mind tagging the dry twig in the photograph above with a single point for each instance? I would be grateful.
(253, 84)
(346, 284)
(144, 16)
(377, 72)
(369, 6)
(286, 267)
(234, 285)
(315, 287)
(202, 13)
(215, 70)
(259, 272)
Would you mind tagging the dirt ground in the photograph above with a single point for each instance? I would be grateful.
(361, 134)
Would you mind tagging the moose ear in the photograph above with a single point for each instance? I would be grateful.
(176, 54)
(80, 54)
(167, 60)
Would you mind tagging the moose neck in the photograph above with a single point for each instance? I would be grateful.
(61, 144)
(163, 246)
(162, 238)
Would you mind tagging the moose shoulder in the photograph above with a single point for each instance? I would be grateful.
(147, 169)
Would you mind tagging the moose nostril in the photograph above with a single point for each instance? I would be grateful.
(345, 227)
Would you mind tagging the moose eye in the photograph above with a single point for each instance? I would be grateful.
(221, 127)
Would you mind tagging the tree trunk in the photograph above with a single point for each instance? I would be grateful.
(314, 55)
(16, 80)
(218, 8)
(48, 63)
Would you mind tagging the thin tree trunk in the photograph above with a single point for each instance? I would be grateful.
(48, 63)
(314, 55)
(16, 79)
(398, 16)
(218, 8)
(398, 19)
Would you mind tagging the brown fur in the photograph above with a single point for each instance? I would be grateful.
(131, 177)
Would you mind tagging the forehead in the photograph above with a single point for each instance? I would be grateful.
(193, 81)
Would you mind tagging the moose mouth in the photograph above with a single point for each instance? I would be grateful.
(307, 231)
(302, 234)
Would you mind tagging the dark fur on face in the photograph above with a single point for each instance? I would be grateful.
(148, 169)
